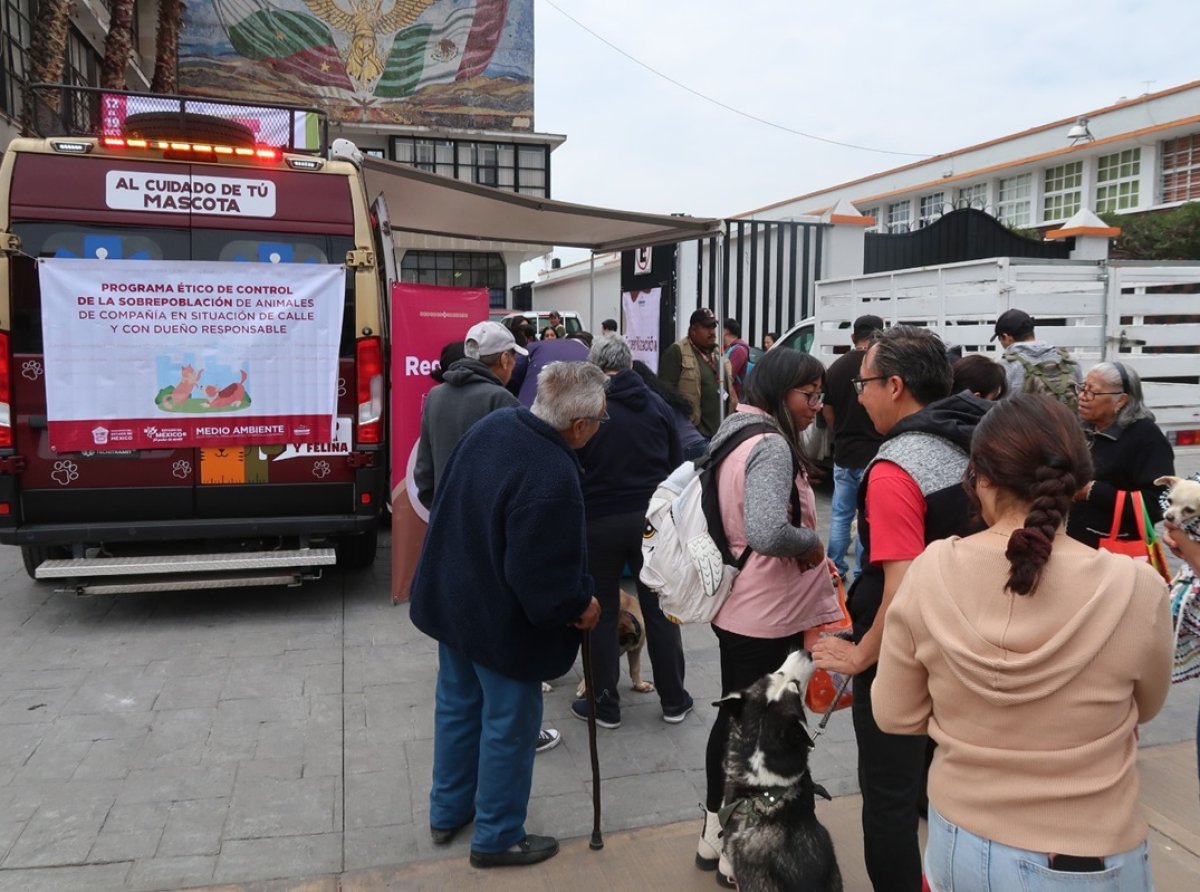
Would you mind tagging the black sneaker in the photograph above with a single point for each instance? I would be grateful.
(530, 850)
(547, 739)
(579, 709)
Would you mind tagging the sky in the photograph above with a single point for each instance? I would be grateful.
(925, 77)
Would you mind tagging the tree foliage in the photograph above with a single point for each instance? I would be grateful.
(1160, 235)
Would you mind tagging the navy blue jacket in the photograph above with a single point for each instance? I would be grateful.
(630, 455)
(503, 572)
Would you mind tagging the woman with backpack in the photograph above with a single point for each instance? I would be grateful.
(785, 586)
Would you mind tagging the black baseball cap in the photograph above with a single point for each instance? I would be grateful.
(865, 326)
(1014, 323)
(703, 316)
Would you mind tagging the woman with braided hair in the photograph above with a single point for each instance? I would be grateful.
(1030, 659)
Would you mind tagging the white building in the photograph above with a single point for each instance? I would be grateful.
(1133, 156)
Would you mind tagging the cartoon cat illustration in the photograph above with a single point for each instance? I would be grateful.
(231, 395)
(189, 379)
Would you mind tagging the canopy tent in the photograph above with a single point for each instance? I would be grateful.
(419, 201)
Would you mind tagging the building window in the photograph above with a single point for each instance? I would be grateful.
(458, 269)
(872, 212)
(1117, 181)
(16, 35)
(931, 207)
(1064, 191)
(973, 196)
(1181, 168)
(1013, 207)
(515, 168)
(898, 216)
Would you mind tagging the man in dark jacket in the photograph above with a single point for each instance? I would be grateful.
(622, 466)
(510, 490)
(471, 388)
(912, 495)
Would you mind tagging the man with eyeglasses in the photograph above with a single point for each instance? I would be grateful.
(912, 494)
(511, 493)
(471, 388)
(855, 441)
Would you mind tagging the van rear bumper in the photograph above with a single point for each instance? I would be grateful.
(190, 529)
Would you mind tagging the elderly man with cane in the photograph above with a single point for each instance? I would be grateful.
(511, 489)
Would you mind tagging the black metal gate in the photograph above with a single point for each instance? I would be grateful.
(966, 234)
(767, 272)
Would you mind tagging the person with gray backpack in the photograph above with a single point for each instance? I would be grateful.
(1033, 365)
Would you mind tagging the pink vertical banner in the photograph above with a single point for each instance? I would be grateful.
(425, 318)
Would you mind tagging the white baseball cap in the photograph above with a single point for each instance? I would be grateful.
(488, 339)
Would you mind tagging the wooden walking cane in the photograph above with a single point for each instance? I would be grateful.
(597, 841)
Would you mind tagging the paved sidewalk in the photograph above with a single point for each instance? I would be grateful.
(661, 857)
(285, 736)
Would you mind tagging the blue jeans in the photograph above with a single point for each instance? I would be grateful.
(484, 733)
(845, 503)
(957, 860)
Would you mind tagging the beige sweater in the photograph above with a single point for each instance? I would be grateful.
(1033, 700)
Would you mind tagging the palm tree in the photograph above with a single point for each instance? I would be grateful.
(47, 56)
(166, 50)
(118, 45)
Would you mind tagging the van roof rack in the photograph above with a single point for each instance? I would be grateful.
(64, 110)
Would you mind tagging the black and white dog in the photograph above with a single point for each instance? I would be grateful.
(772, 836)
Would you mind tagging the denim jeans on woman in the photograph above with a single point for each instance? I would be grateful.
(957, 860)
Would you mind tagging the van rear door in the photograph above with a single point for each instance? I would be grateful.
(168, 489)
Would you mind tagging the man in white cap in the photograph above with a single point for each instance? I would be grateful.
(471, 388)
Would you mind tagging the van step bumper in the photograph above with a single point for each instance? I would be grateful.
(187, 572)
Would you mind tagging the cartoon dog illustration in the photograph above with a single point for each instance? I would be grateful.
(189, 379)
(231, 395)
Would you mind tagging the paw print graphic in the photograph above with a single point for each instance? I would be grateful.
(182, 469)
(65, 472)
(321, 469)
(341, 386)
(31, 369)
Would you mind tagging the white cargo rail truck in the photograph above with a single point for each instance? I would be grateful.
(1145, 314)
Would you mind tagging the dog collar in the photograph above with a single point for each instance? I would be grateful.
(750, 809)
(637, 627)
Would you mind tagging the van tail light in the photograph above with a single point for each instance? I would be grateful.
(369, 374)
(6, 432)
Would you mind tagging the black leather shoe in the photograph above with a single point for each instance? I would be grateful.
(530, 850)
(443, 836)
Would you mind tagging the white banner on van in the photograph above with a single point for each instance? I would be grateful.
(142, 354)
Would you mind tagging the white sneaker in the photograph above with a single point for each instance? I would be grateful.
(547, 739)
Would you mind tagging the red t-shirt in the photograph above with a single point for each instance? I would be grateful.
(896, 514)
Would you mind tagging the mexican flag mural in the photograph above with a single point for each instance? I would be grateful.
(405, 61)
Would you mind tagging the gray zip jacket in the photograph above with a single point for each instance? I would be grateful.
(770, 476)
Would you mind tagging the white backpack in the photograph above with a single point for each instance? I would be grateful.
(686, 559)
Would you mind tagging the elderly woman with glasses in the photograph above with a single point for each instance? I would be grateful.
(767, 510)
(1128, 452)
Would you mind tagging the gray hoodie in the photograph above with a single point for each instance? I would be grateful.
(469, 391)
(1033, 352)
